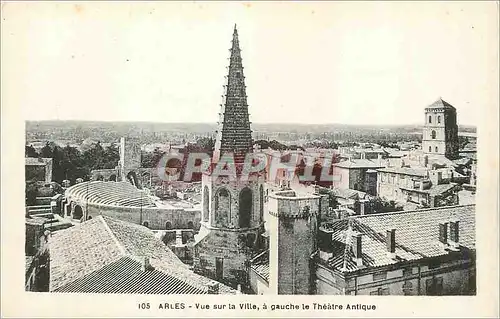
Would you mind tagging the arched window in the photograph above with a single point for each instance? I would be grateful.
(430, 149)
(112, 178)
(190, 225)
(222, 207)
(430, 119)
(206, 204)
(77, 212)
(145, 224)
(168, 225)
(433, 134)
(439, 119)
(245, 204)
(261, 201)
(436, 149)
(100, 177)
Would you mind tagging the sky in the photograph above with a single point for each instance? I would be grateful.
(326, 62)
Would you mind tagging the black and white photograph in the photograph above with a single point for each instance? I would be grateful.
(251, 150)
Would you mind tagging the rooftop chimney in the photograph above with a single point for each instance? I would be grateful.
(443, 233)
(145, 264)
(391, 243)
(454, 234)
(357, 249)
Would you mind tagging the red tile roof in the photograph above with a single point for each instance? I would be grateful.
(417, 235)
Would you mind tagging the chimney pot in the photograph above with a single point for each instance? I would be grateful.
(443, 233)
(391, 243)
(454, 233)
(145, 264)
(357, 249)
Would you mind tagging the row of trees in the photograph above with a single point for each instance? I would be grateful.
(70, 163)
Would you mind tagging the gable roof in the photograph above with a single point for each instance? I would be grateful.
(103, 255)
(417, 235)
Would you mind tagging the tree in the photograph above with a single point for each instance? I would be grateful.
(30, 151)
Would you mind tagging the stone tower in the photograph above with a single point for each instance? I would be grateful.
(130, 161)
(232, 209)
(440, 135)
(293, 230)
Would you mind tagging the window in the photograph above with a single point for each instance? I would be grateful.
(380, 276)
(436, 149)
(430, 119)
(407, 272)
(407, 288)
(168, 225)
(145, 224)
(434, 286)
(439, 119)
(245, 208)
(430, 149)
(433, 134)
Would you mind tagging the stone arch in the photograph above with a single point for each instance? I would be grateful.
(145, 224)
(206, 203)
(77, 212)
(261, 202)
(433, 134)
(222, 206)
(168, 225)
(190, 225)
(112, 178)
(245, 205)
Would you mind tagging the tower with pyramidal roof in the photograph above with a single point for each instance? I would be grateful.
(440, 133)
(232, 209)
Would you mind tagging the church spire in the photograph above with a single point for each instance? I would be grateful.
(234, 134)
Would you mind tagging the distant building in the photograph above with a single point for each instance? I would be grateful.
(358, 174)
(423, 252)
(440, 134)
(420, 186)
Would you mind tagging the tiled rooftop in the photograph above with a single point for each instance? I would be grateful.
(440, 103)
(260, 264)
(422, 172)
(359, 163)
(103, 254)
(417, 235)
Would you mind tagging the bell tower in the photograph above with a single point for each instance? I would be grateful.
(440, 133)
(232, 209)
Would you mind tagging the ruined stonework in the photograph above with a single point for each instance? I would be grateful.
(440, 133)
(293, 229)
(130, 161)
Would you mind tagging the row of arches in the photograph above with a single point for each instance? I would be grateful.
(223, 206)
(438, 119)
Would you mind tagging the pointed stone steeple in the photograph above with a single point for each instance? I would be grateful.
(234, 134)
